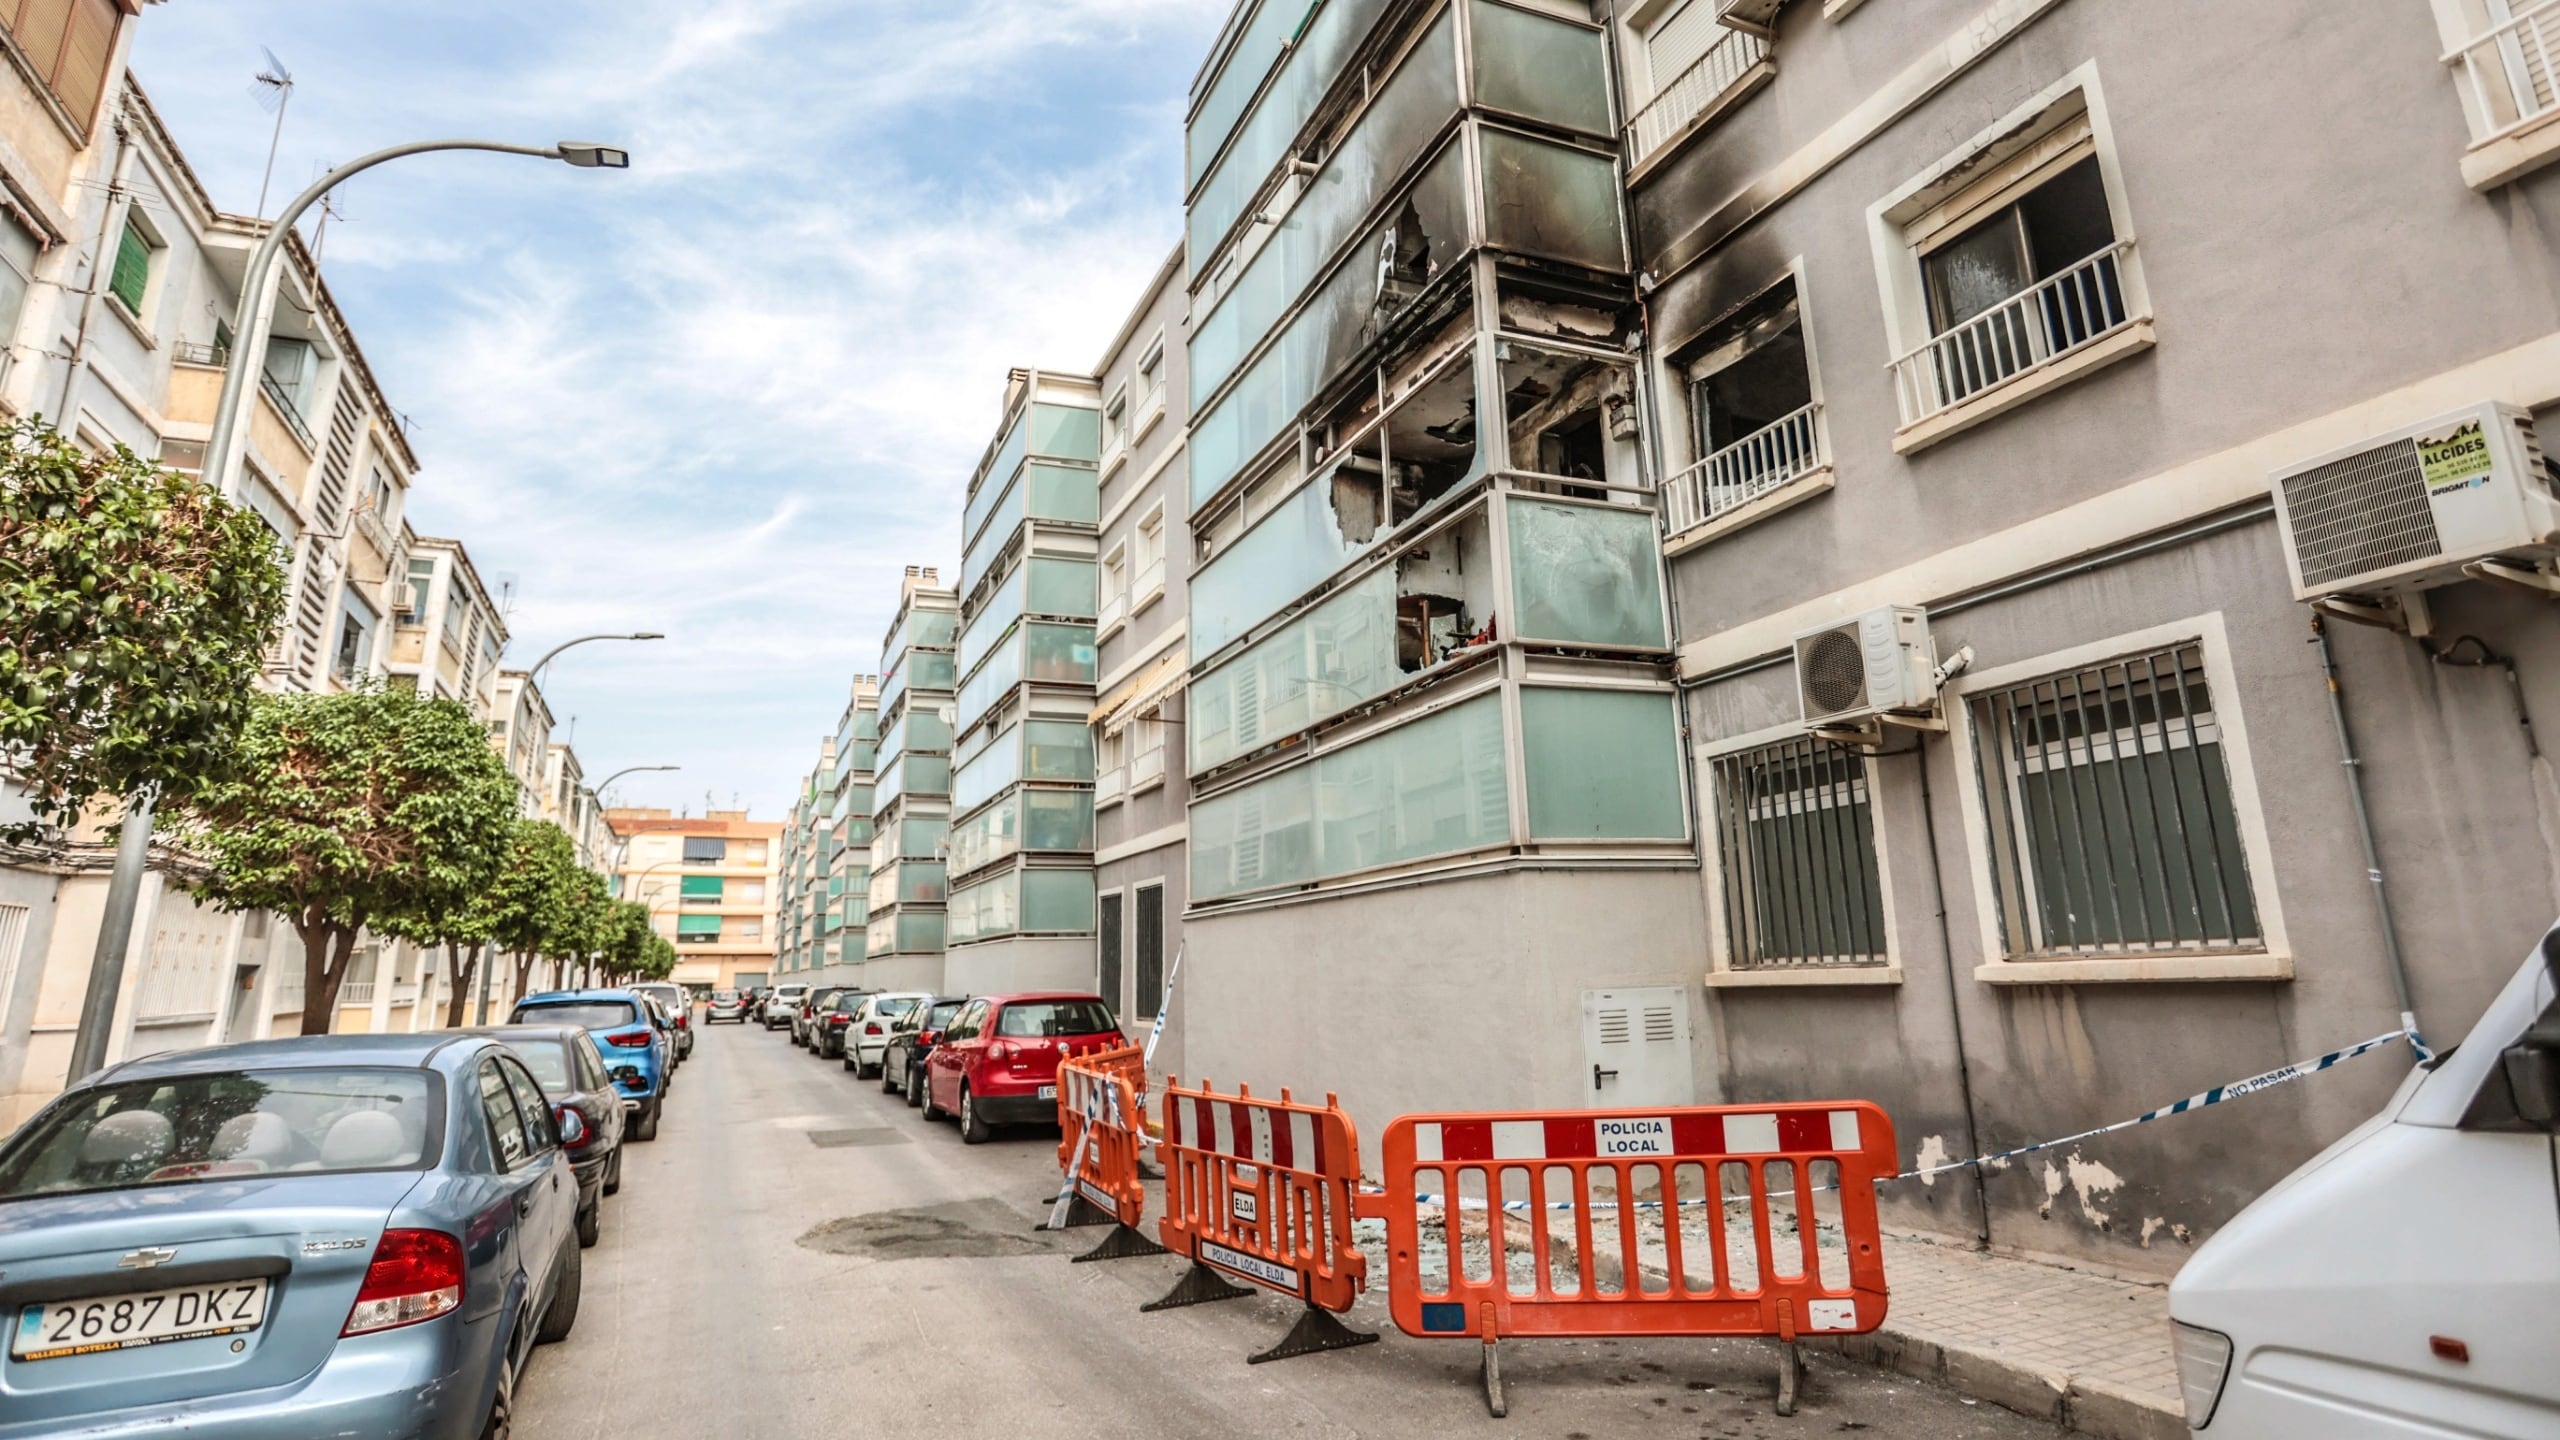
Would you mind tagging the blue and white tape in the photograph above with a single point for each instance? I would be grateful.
(2281, 1075)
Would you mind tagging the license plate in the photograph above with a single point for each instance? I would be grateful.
(1048, 1092)
(126, 1322)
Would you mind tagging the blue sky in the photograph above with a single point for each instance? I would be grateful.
(730, 393)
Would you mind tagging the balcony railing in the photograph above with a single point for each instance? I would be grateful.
(192, 352)
(1150, 583)
(2040, 325)
(356, 992)
(2509, 67)
(1115, 608)
(1677, 106)
(1146, 767)
(283, 401)
(1753, 466)
(1110, 785)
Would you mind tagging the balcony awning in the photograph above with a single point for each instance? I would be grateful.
(1146, 688)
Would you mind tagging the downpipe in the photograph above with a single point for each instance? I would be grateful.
(2364, 831)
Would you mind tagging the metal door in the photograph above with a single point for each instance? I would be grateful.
(1635, 1048)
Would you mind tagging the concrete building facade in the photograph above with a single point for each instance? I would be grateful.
(711, 883)
(905, 910)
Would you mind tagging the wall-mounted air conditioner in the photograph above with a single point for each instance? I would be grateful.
(2411, 509)
(1879, 663)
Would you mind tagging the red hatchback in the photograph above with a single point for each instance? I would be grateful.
(997, 1063)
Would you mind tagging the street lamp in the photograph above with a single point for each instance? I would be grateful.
(249, 321)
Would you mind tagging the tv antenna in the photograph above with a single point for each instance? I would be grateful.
(320, 233)
(273, 87)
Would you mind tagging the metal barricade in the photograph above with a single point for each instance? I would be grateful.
(1637, 1222)
(1101, 1124)
(1261, 1190)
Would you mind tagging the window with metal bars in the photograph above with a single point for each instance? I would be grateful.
(1795, 837)
(2110, 812)
(1107, 948)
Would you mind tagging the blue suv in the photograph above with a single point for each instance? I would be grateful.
(626, 1034)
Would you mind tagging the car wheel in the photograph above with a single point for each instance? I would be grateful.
(915, 1087)
(888, 1084)
(561, 1315)
(974, 1129)
(501, 1423)
(647, 1129)
(590, 1225)
(925, 1099)
(613, 1174)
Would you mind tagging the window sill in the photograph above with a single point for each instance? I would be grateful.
(2136, 968)
(1145, 786)
(1786, 497)
(1804, 977)
(132, 322)
(1139, 606)
(1147, 422)
(1919, 435)
(1836, 10)
(1103, 635)
(2493, 163)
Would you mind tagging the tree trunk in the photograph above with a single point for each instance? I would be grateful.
(524, 972)
(461, 972)
(327, 950)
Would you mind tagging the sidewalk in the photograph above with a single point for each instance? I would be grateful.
(2082, 1350)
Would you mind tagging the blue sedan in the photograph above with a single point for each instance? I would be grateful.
(326, 1236)
(630, 1036)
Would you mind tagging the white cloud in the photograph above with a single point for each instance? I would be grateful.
(730, 393)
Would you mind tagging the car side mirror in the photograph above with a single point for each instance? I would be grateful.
(2533, 1062)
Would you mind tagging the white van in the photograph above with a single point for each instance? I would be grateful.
(2407, 1281)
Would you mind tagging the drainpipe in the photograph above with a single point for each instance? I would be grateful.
(1955, 1002)
(2364, 831)
(101, 270)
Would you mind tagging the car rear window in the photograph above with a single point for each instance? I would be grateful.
(549, 1062)
(941, 1013)
(593, 1014)
(194, 1128)
(723, 997)
(894, 1007)
(1045, 1018)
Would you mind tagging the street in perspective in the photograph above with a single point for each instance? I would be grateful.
(1168, 718)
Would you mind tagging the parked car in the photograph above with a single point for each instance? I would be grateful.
(678, 1003)
(725, 1005)
(2407, 1280)
(320, 1236)
(565, 1061)
(911, 1038)
(828, 1028)
(866, 1035)
(804, 1019)
(997, 1061)
(627, 1037)
(779, 1004)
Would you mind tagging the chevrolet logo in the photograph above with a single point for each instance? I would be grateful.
(147, 1257)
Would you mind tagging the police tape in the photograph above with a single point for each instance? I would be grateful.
(1148, 1060)
(2219, 1094)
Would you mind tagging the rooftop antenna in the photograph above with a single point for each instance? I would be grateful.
(320, 233)
(274, 89)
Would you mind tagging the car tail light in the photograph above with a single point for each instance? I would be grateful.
(835, 1020)
(574, 1131)
(928, 1037)
(416, 1275)
(871, 1029)
(628, 1038)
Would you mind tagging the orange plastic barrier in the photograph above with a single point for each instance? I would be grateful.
(1262, 1190)
(1101, 1123)
(1637, 1222)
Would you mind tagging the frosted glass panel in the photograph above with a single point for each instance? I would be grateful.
(1544, 199)
(986, 908)
(993, 681)
(1058, 654)
(1586, 573)
(908, 882)
(1056, 902)
(1410, 111)
(997, 483)
(986, 837)
(1543, 68)
(1307, 72)
(1339, 653)
(1603, 764)
(931, 670)
(1057, 819)
(905, 932)
(992, 769)
(1061, 492)
(1287, 553)
(1261, 40)
(1431, 787)
(1057, 750)
(1069, 432)
(1060, 587)
(987, 628)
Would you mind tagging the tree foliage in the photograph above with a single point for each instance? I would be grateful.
(135, 605)
(340, 811)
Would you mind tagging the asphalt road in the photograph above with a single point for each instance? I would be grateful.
(801, 1256)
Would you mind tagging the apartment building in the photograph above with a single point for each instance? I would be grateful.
(446, 631)
(1139, 799)
(2085, 388)
(803, 876)
(1020, 851)
(711, 885)
(520, 724)
(849, 834)
(905, 915)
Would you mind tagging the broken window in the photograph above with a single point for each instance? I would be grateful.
(1337, 654)
(1571, 416)
(1444, 595)
(2036, 278)
(1751, 411)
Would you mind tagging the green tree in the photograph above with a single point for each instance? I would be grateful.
(509, 913)
(587, 923)
(339, 811)
(135, 605)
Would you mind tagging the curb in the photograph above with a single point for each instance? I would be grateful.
(2086, 1407)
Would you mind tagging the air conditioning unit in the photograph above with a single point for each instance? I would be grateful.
(2410, 509)
(1879, 663)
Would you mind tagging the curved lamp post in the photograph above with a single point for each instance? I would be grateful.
(249, 321)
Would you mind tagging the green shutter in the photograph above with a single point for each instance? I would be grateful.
(702, 885)
(133, 269)
(697, 927)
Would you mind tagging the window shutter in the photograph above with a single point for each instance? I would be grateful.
(82, 77)
(697, 927)
(133, 270)
(699, 885)
(1681, 41)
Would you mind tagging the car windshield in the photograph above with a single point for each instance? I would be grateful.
(940, 1015)
(549, 1062)
(1034, 1019)
(723, 997)
(593, 1014)
(894, 1006)
(217, 1127)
